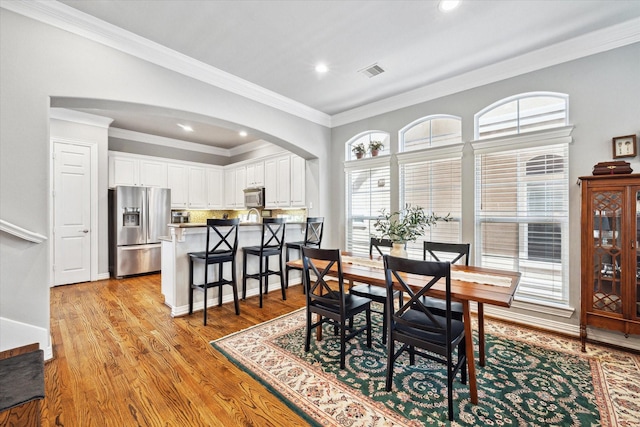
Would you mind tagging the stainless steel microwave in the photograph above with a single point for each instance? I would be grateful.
(254, 197)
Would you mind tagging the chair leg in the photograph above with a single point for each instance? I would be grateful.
(286, 268)
(282, 284)
(204, 302)
(220, 271)
(343, 345)
(260, 276)
(191, 285)
(244, 275)
(235, 286)
(384, 324)
(390, 361)
(307, 342)
(368, 313)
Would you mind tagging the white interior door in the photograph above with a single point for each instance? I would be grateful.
(72, 213)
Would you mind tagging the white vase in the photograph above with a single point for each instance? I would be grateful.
(399, 250)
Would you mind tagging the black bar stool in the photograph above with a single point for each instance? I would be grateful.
(312, 239)
(271, 245)
(221, 247)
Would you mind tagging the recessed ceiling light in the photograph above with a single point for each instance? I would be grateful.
(242, 133)
(185, 128)
(322, 68)
(448, 5)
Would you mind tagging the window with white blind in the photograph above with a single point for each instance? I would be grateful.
(522, 113)
(431, 174)
(368, 192)
(522, 213)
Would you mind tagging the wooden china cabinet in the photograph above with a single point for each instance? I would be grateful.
(610, 254)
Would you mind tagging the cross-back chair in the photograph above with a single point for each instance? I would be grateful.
(376, 293)
(453, 253)
(272, 241)
(418, 329)
(332, 305)
(312, 238)
(221, 247)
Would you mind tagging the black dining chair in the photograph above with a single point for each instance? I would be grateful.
(312, 238)
(332, 305)
(376, 293)
(221, 247)
(271, 245)
(453, 253)
(418, 329)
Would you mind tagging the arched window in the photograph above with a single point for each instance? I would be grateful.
(522, 113)
(366, 142)
(522, 192)
(430, 132)
(430, 168)
(368, 189)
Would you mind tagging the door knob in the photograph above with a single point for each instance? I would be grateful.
(84, 231)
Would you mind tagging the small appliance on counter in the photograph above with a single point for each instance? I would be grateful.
(180, 217)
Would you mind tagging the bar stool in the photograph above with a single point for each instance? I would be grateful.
(312, 238)
(221, 247)
(271, 245)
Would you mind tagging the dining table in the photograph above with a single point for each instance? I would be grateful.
(468, 283)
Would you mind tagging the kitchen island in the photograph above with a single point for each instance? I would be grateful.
(191, 237)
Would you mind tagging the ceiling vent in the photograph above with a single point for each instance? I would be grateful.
(372, 70)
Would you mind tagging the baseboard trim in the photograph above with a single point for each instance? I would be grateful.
(16, 334)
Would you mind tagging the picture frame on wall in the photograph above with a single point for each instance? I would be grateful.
(625, 146)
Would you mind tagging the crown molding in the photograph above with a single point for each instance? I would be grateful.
(613, 37)
(79, 117)
(167, 142)
(64, 17)
(69, 19)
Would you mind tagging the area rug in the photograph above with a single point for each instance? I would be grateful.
(530, 379)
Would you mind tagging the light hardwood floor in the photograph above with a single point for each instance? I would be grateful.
(120, 359)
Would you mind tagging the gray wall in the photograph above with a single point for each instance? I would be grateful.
(39, 62)
(603, 103)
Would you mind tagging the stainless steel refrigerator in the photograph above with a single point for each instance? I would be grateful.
(138, 216)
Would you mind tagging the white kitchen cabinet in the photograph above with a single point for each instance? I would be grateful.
(197, 188)
(255, 174)
(127, 169)
(229, 188)
(215, 182)
(277, 185)
(153, 173)
(178, 182)
(298, 181)
(241, 184)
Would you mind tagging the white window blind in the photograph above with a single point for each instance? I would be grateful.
(522, 113)
(368, 192)
(435, 186)
(522, 217)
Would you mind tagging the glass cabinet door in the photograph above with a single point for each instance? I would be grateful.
(607, 255)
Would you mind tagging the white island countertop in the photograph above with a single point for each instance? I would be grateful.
(191, 237)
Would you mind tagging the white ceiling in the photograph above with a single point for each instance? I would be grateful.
(276, 44)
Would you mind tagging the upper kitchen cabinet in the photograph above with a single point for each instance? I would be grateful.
(255, 174)
(298, 181)
(234, 184)
(215, 180)
(284, 181)
(178, 182)
(127, 169)
(197, 188)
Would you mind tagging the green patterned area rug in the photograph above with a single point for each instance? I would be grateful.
(530, 379)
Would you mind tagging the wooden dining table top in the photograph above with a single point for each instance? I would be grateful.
(460, 289)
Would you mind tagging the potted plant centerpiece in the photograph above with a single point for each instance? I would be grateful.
(375, 147)
(405, 226)
(358, 150)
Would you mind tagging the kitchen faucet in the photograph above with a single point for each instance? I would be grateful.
(252, 211)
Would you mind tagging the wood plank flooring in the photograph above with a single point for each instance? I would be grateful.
(120, 359)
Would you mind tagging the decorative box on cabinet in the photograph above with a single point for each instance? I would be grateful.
(610, 257)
